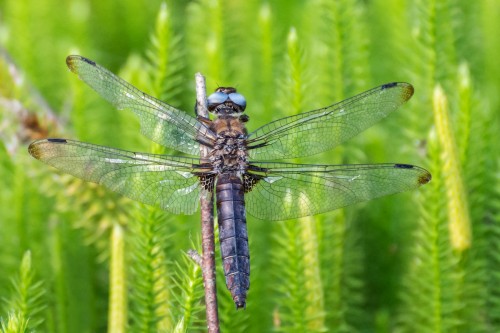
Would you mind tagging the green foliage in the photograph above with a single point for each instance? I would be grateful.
(92, 261)
(15, 324)
(26, 301)
(149, 304)
(189, 314)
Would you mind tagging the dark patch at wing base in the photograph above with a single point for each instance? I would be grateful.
(249, 181)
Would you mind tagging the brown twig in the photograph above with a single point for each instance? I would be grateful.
(207, 224)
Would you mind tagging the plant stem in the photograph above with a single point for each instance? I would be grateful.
(117, 312)
(207, 224)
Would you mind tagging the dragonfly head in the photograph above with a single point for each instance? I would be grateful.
(225, 101)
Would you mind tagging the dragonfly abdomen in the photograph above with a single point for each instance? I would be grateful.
(233, 236)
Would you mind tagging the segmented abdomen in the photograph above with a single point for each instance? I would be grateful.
(233, 236)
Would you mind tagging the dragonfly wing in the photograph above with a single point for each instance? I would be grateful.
(164, 181)
(281, 191)
(319, 130)
(160, 122)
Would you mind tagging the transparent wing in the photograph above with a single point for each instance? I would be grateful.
(283, 191)
(319, 130)
(160, 122)
(159, 180)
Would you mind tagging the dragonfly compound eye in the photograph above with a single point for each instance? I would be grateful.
(216, 98)
(238, 99)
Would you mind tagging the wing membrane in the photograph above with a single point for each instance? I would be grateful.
(160, 122)
(319, 130)
(287, 191)
(163, 181)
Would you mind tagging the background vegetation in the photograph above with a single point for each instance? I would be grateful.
(75, 258)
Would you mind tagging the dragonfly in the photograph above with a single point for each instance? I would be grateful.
(241, 168)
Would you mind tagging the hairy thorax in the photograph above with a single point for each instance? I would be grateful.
(229, 154)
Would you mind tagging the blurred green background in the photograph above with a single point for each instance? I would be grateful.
(76, 258)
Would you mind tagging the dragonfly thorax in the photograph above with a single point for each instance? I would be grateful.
(229, 153)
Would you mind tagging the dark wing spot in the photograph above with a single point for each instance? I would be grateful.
(88, 61)
(403, 166)
(389, 85)
(57, 140)
(34, 147)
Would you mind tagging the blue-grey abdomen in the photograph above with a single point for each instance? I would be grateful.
(233, 236)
